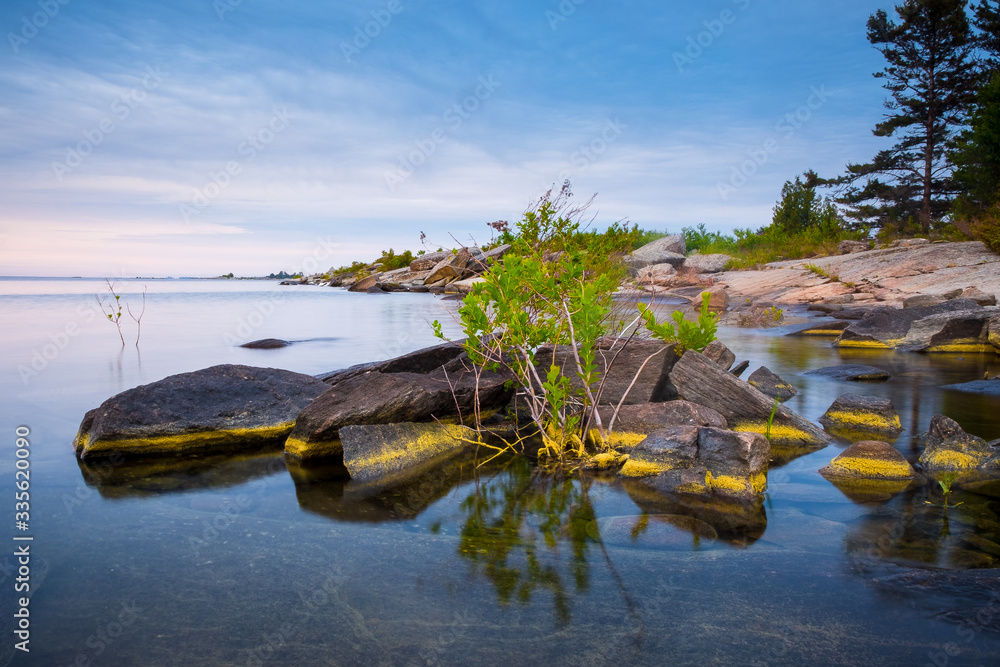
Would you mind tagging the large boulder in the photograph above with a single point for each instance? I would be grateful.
(851, 247)
(451, 268)
(887, 328)
(619, 364)
(390, 398)
(386, 454)
(702, 461)
(666, 250)
(363, 284)
(857, 418)
(707, 263)
(948, 448)
(228, 408)
(699, 380)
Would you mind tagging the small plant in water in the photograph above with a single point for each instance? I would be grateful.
(770, 420)
(947, 479)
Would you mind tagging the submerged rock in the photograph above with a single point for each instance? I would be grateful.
(851, 372)
(989, 387)
(266, 344)
(744, 407)
(949, 448)
(227, 408)
(771, 385)
(830, 329)
(857, 417)
(385, 454)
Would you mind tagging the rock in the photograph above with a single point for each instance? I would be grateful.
(718, 298)
(851, 372)
(464, 286)
(673, 244)
(707, 263)
(653, 385)
(984, 387)
(266, 344)
(740, 368)
(720, 354)
(962, 331)
(635, 422)
(771, 385)
(702, 461)
(428, 261)
(420, 361)
(851, 247)
(870, 459)
(386, 454)
(831, 329)
(857, 418)
(979, 296)
(391, 398)
(948, 448)
(364, 284)
(886, 328)
(451, 268)
(700, 381)
(657, 274)
(909, 243)
(226, 408)
(923, 300)
(853, 314)
(497, 253)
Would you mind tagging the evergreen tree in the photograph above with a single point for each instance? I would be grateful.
(977, 156)
(931, 77)
(802, 208)
(986, 17)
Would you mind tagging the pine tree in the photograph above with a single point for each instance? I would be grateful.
(931, 77)
(986, 17)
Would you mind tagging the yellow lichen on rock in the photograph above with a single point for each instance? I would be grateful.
(864, 420)
(962, 346)
(304, 449)
(617, 439)
(833, 333)
(634, 468)
(864, 344)
(950, 459)
(780, 433)
(870, 459)
(88, 447)
(729, 485)
(605, 461)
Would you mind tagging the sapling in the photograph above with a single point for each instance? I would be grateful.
(112, 311)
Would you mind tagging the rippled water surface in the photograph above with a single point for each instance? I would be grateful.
(249, 561)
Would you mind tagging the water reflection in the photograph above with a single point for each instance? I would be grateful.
(514, 525)
(119, 478)
(919, 527)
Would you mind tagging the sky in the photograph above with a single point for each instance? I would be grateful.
(202, 137)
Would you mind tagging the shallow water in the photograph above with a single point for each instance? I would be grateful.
(249, 561)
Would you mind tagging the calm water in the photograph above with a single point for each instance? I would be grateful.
(250, 562)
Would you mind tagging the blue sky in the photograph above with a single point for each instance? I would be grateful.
(198, 137)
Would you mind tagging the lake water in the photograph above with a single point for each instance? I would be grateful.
(254, 562)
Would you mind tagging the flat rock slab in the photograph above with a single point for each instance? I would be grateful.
(984, 387)
(228, 408)
(424, 360)
(888, 328)
(852, 372)
(388, 453)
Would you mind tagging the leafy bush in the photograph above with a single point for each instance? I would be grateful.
(390, 261)
(688, 335)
